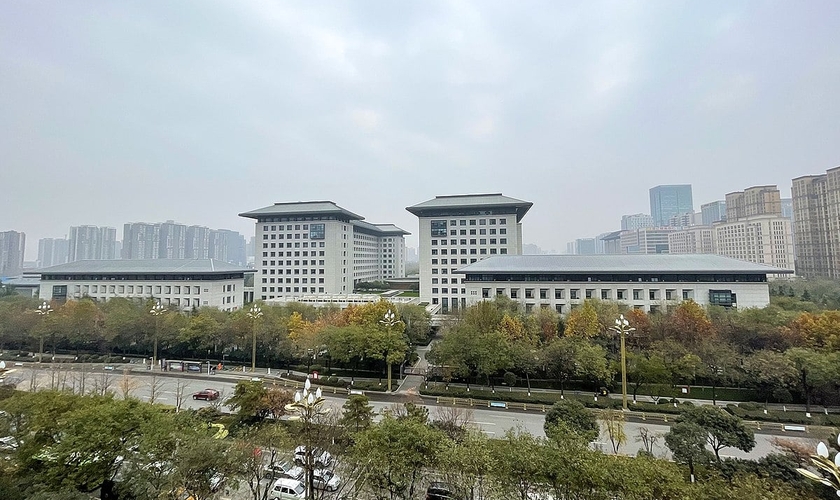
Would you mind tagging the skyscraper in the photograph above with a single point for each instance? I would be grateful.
(91, 243)
(12, 247)
(669, 200)
(713, 212)
(52, 251)
(816, 224)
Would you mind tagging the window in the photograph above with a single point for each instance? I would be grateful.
(558, 293)
(559, 308)
(438, 228)
(514, 293)
(605, 294)
(529, 293)
(543, 293)
(589, 293)
(574, 294)
(621, 294)
(316, 232)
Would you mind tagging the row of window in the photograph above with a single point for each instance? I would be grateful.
(481, 241)
(472, 251)
(591, 293)
(290, 289)
(151, 290)
(292, 280)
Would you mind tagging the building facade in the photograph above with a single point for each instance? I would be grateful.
(757, 200)
(763, 239)
(459, 230)
(183, 284)
(816, 224)
(668, 201)
(697, 239)
(91, 243)
(649, 240)
(12, 249)
(652, 283)
(52, 251)
(318, 248)
(636, 221)
(713, 212)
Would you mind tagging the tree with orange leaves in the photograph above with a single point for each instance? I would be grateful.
(690, 324)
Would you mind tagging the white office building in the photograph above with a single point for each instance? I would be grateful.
(184, 284)
(697, 239)
(459, 230)
(649, 282)
(317, 247)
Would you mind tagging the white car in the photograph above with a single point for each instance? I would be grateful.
(320, 458)
(322, 479)
(8, 443)
(278, 469)
(287, 489)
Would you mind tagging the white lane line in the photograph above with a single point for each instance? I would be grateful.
(480, 423)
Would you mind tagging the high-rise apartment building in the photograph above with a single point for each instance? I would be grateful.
(227, 246)
(713, 212)
(697, 239)
(670, 200)
(583, 246)
(816, 219)
(317, 247)
(459, 230)
(197, 244)
(636, 221)
(757, 200)
(172, 240)
(140, 240)
(647, 241)
(52, 251)
(91, 243)
(12, 248)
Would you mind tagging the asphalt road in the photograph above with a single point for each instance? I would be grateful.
(170, 387)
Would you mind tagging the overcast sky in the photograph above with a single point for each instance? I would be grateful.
(112, 112)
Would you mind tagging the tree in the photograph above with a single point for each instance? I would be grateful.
(690, 324)
(467, 464)
(570, 416)
(771, 373)
(571, 357)
(582, 321)
(687, 442)
(517, 463)
(200, 463)
(722, 429)
(247, 399)
(357, 413)
(646, 369)
(392, 456)
(613, 421)
(814, 370)
(719, 363)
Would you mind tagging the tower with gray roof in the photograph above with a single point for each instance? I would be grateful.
(459, 230)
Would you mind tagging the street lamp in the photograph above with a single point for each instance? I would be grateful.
(255, 313)
(157, 311)
(622, 328)
(309, 407)
(43, 310)
(390, 320)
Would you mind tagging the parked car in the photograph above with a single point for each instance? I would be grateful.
(287, 489)
(278, 470)
(440, 491)
(8, 443)
(207, 395)
(322, 459)
(322, 479)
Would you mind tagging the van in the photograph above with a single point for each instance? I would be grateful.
(287, 489)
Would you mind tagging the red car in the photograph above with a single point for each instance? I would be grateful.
(207, 395)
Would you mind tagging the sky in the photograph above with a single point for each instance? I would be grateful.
(196, 111)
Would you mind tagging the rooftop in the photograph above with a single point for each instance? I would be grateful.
(301, 208)
(660, 263)
(492, 200)
(145, 266)
(380, 228)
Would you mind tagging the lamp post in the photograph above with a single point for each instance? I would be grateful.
(255, 313)
(157, 311)
(308, 408)
(622, 328)
(829, 469)
(389, 321)
(43, 310)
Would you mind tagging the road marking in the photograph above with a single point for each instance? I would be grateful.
(480, 423)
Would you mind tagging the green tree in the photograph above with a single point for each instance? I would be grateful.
(467, 465)
(571, 357)
(357, 413)
(722, 429)
(687, 442)
(247, 399)
(613, 421)
(815, 370)
(583, 321)
(720, 363)
(771, 373)
(646, 369)
(570, 416)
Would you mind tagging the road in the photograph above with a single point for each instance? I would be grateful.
(173, 386)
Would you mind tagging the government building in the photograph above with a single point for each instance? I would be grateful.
(459, 230)
(318, 248)
(183, 284)
(648, 282)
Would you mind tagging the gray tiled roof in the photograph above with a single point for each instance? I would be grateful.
(145, 266)
(385, 229)
(660, 263)
(300, 208)
(478, 201)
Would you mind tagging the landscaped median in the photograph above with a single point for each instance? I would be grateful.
(543, 400)
(359, 385)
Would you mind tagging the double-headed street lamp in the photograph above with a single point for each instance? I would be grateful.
(157, 311)
(622, 327)
(308, 408)
(390, 320)
(255, 313)
(43, 310)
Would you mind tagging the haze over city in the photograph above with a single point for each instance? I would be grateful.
(197, 111)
